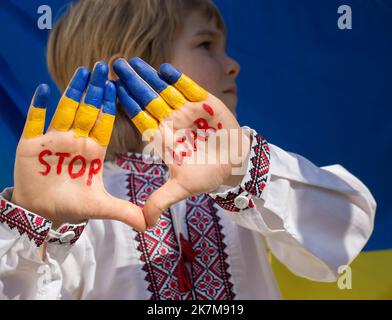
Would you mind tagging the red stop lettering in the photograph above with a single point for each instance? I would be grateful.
(76, 168)
(95, 166)
(42, 161)
(82, 169)
(62, 156)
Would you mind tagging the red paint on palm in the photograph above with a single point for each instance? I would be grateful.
(62, 156)
(207, 108)
(82, 169)
(95, 165)
(42, 161)
(192, 136)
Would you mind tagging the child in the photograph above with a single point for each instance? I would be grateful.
(210, 230)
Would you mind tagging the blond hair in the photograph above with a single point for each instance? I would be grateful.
(95, 30)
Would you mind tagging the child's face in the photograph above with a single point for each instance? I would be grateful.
(199, 52)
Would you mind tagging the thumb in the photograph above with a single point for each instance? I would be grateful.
(170, 193)
(122, 210)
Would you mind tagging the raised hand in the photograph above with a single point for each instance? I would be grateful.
(194, 132)
(58, 175)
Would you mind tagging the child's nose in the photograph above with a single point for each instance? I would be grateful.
(232, 67)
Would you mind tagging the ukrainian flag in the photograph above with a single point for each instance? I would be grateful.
(305, 84)
(371, 278)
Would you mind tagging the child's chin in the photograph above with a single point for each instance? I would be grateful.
(230, 100)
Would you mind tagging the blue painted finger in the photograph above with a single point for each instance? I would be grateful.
(170, 73)
(109, 99)
(141, 119)
(35, 121)
(171, 95)
(130, 106)
(149, 74)
(78, 84)
(41, 97)
(96, 87)
(88, 110)
(103, 128)
(69, 102)
(146, 97)
(190, 89)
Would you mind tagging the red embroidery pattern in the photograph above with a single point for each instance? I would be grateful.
(226, 200)
(209, 269)
(159, 247)
(255, 179)
(35, 227)
(76, 228)
(258, 173)
(160, 254)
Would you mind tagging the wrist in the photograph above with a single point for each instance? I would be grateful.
(42, 212)
(254, 181)
(39, 229)
(239, 156)
(233, 180)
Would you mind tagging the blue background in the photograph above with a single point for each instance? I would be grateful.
(306, 85)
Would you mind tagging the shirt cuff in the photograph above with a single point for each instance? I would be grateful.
(37, 228)
(255, 180)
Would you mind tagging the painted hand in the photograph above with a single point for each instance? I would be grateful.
(58, 175)
(194, 132)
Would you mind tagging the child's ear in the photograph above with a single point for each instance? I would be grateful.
(112, 75)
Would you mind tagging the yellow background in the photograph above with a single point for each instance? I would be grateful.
(371, 279)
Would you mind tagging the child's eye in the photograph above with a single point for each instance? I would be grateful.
(205, 44)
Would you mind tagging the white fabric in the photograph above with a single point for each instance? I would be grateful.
(313, 220)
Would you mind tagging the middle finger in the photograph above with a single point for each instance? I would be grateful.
(147, 98)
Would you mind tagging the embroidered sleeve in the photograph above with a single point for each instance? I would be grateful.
(35, 227)
(254, 181)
